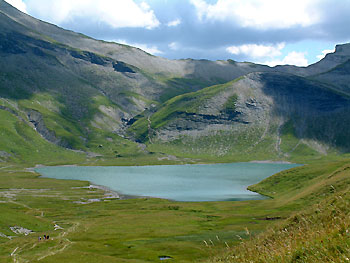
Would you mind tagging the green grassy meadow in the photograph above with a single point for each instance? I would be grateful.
(145, 229)
(118, 230)
(318, 233)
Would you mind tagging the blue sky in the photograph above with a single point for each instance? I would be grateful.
(271, 32)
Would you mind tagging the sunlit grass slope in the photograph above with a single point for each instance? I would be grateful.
(320, 233)
(142, 230)
(24, 145)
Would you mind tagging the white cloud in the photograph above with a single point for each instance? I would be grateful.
(145, 6)
(324, 53)
(260, 13)
(116, 13)
(174, 46)
(269, 52)
(174, 23)
(257, 51)
(19, 4)
(149, 49)
(293, 58)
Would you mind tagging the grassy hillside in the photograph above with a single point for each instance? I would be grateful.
(20, 143)
(258, 116)
(187, 103)
(320, 233)
(104, 99)
(143, 230)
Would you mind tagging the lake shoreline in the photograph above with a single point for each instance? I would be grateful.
(175, 164)
(272, 162)
(186, 183)
(105, 189)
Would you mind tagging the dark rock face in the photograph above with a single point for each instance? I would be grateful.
(37, 120)
(90, 57)
(193, 121)
(102, 61)
(9, 44)
(16, 43)
(121, 67)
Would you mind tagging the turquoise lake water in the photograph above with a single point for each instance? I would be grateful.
(209, 182)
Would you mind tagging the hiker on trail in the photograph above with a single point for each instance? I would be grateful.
(39, 238)
(45, 237)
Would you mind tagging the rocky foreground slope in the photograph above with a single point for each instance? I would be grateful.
(79, 93)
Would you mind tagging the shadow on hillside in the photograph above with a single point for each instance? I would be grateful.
(317, 112)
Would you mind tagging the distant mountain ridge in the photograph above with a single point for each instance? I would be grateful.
(95, 96)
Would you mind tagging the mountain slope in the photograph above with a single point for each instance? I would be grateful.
(338, 77)
(318, 233)
(70, 94)
(155, 65)
(95, 96)
(272, 113)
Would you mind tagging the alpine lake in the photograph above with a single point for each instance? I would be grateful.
(186, 183)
